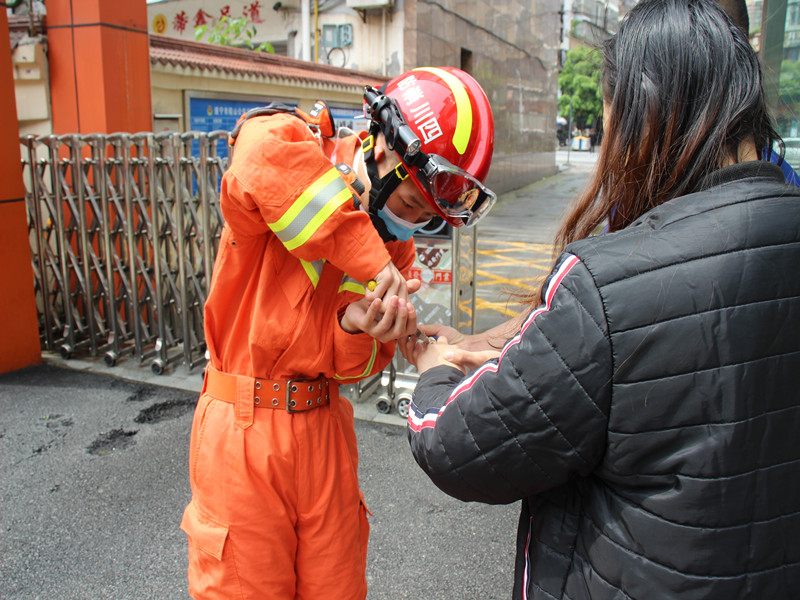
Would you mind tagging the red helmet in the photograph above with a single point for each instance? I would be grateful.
(450, 114)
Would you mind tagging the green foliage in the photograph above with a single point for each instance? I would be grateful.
(579, 83)
(789, 85)
(236, 32)
(787, 111)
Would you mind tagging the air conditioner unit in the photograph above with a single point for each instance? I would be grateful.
(367, 4)
(337, 36)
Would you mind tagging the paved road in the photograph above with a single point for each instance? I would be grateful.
(93, 481)
(515, 239)
(93, 465)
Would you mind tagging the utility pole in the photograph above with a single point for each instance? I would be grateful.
(569, 130)
(305, 30)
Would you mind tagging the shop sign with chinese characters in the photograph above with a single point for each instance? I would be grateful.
(180, 19)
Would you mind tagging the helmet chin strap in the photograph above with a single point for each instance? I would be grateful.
(381, 187)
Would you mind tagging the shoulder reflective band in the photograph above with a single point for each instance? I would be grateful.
(311, 209)
(463, 128)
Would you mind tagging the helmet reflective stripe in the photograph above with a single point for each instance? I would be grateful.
(311, 209)
(313, 270)
(463, 128)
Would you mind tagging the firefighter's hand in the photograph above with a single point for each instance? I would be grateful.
(390, 282)
(397, 321)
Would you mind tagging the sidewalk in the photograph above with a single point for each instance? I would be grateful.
(532, 213)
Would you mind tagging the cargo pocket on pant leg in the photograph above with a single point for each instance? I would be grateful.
(207, 538)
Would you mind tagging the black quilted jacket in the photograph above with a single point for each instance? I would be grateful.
(648, 414)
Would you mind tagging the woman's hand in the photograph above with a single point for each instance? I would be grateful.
(489, 341)
(425, 356)
(437, 330)
(470, 360)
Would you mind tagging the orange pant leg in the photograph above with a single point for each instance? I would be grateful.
(276, 511)
(332, 518)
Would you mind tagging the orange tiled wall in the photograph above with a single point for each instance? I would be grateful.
(18, 327)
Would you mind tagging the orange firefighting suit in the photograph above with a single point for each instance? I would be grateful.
(276, 509)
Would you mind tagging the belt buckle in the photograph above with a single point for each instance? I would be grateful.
(290, 389)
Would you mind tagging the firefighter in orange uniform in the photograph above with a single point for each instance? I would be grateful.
(311, 214)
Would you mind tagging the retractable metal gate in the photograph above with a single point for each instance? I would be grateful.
(124, 229)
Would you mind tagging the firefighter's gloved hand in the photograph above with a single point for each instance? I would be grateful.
(397, 321)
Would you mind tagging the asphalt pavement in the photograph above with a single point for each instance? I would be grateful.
(94, 469)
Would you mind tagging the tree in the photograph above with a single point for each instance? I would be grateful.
(788, 94)
(579, 83)
(236, 32)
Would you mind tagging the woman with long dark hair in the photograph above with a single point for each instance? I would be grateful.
(645, 408)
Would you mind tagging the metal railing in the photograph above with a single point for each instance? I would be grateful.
(124, 229)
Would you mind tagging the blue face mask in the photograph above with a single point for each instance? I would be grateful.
(399, 228)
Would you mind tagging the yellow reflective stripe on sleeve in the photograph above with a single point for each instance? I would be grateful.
(463, 108)
(311, 209)
(313, 270)
(303, 199)
(351, 285)
(367, 370)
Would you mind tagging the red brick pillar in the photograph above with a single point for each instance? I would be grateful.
(99, 66)
(19, 329)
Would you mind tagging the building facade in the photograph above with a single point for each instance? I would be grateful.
(510, 47)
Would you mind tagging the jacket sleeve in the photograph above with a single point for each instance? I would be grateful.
(280, 180)
(531, 420)
(357, 356)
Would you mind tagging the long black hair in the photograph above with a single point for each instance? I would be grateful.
(684, 91)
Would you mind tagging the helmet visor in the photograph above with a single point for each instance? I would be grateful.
(456, 193)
